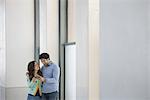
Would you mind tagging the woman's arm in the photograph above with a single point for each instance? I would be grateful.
(39, 77)
(31, 83)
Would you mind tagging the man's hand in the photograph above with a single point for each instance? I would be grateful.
(42, 79)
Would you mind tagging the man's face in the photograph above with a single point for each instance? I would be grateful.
(45, 61)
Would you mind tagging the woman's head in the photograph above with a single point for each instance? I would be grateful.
(33, 67)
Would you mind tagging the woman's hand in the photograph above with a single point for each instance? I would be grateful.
(37, 76)
(42, 79)
(33, 79)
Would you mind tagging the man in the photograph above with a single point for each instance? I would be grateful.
(51, 73)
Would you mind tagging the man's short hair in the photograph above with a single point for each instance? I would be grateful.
(44, 56)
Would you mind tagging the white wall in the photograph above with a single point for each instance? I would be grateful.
(52, 38)
(94, 49)
(81, 27)
(19, 46)
(2, 50)
(49, 28)
(124, 69)
(2, 43)
(148, 40)
(71, 21)
(43, 25)
(19, 40)
(86, 27)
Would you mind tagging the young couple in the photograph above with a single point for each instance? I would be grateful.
(43, 84)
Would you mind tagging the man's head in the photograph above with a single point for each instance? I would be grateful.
(44, 57)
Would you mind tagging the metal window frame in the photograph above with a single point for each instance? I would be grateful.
(63, 38)
(36, 30)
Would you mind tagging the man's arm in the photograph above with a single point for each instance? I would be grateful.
(55, 78)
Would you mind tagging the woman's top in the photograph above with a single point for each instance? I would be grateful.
(34, 87)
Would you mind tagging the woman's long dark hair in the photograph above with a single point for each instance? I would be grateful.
(31, 70)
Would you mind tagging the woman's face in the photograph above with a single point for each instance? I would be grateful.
(36, 66)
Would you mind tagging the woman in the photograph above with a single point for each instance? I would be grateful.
(34, 81)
